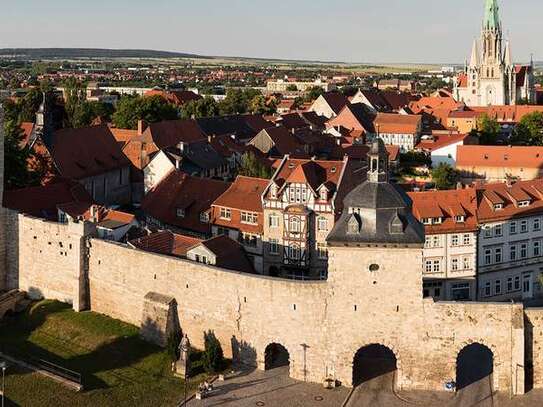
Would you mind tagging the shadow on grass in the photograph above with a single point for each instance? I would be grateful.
(113, 357)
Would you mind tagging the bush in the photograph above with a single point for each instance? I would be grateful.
(172, 347)
(213, 354)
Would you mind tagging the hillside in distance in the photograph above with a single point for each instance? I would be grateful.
(69, 53)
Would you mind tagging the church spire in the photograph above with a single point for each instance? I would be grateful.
(474, 62)
(492, 16)
(508, 59)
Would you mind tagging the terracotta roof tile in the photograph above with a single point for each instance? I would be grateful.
(166, 243)
(499, 156)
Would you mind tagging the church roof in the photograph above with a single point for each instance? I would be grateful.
(492, 15)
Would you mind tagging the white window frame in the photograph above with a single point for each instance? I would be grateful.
(273, 220)
(322, 224)
(225, 213)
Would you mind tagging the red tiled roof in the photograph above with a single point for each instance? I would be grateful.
(446, 205)
(509, 196)
(500, 156)
(440, 141)
(166, 243)
(85, 152)
(44, 201)
(336, 101)
(397, 123)
(230, 254)
(181, 191)
(284, 141)
(171, 132)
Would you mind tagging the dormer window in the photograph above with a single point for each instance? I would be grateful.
(523, 204)
(354, 224)
(273, 191)
(180, 213)
(323, 194)
(437, 221)
(498, 207)
(459, 219)
(427, 221)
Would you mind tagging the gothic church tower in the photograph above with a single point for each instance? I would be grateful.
(490, 77)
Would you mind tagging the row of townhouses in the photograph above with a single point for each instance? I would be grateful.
(483, 242)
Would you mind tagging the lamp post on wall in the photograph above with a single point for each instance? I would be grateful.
(3, 366)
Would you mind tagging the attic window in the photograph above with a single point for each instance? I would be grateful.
(459, 219)
(180, 213)
(354, 225)
(486, 156)
(498, 207)
(291, 165)
(427, 221)
(523, 204)
(437, 221)
(333, 170)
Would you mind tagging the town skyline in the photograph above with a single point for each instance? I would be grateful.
(352, 35)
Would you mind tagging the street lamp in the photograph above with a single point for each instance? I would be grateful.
(3, 366)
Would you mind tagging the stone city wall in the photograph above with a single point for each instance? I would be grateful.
(321, 324)
(534, 346)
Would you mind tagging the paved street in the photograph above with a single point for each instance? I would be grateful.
(274, 388)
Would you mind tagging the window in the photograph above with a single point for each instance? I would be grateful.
(498, 231)
(222, 231)
(298, 193)
(488, 232)
(487, 289)
(513, 253)
(322, 251)
(427, 242)
(436, 241)
(295, 225)
(498, 207)
(180, 213)
(322, 224)
(274, 246)
(488, 256)
(437, 266)
(459, 219)
(466, 240)
(294, 252)
(323, 194)
(513, 228)
(523, 204)
(273, 221)
(454, 264)
(498, 287)
(225, 214)
(204, 217)
(537, 248)
(498, 255)
(466, 263)
(509, 284)
(454, 240)
(248, 239)
(460, 292)
(249, 217)
(426, 221)
(526, 283)
(428, 267)
(437, 221)
(517, 283)
(537, 224)
(523, 226)
(523, 250)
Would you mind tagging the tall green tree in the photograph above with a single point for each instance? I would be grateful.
(445, 176)
(213, 359)
(152, 109)
(74, 97)
(259, 105)
(251, 167)
(529, 131)
(206, 107)
(313, 93)
(487, 131)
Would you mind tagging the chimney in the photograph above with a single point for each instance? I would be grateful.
(183, 147)
(141, 127)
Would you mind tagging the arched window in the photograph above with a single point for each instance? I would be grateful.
(295, 224)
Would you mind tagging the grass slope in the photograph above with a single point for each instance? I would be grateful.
(117, 367)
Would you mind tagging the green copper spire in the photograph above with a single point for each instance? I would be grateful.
(492, 15)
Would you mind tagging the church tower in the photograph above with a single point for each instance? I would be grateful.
(491, 78)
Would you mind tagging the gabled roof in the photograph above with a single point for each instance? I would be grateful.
(243, 126)
(196, 156)
(336, 100)
(283, 140)
(500, 156)
(245, 194)
(397, 123)
(167, 243)
(172, 132)
(440, 141)
(85, 152)
(229, 253)
(43, 201)
(446, 205)
(181, 191)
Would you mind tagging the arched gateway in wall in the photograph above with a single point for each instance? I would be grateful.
(376, 363)
(276, 356)
(475, 366)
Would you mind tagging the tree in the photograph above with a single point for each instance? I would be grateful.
(206, 107)
(313, 93)
(529, 131)
(87, 112)
(73, 99)
(151, 109)
(29, 105)
(237, 101)
(213, 355)
(251, 167)
(172, 346)
(487, 131)
(292, 88)
(259, 105)
(445, 176)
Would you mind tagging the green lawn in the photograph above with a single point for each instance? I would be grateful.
(117, 367)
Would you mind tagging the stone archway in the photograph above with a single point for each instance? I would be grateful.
(276, 356)
(474, 364)
(377, 363)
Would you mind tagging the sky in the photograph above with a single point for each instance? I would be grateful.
(365, 31)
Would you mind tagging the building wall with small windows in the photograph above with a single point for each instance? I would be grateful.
(511, 259)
